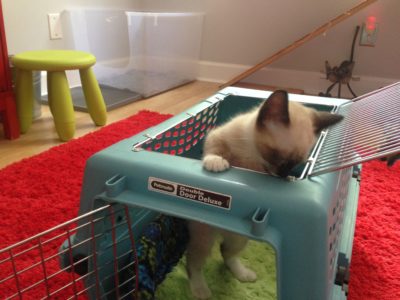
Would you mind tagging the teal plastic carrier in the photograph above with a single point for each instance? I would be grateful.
(309, 221)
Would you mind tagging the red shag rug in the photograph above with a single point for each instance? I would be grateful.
(43, 191)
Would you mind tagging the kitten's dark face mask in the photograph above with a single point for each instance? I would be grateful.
(287, 143)
(280, 166)
(284, 169)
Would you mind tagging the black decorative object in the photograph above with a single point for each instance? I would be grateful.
(342, 74)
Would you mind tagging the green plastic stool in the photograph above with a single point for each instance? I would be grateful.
(56, 62)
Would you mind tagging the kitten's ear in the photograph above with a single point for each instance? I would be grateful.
(324, 119)
(275, 109)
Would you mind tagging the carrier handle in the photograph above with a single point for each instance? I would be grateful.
(259, 221)
(115, 185)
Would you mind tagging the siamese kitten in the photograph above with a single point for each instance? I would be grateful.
(274, 138)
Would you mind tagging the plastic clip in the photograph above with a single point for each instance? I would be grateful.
(115, 185)
(259, 221)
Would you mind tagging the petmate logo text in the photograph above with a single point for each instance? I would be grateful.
(189, 192)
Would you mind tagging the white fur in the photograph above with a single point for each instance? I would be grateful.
(237, 143)
(240, 142)
(215, 163)
(299, 135)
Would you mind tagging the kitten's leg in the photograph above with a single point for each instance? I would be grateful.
(232, 245)
(216, 153)
(199, 248)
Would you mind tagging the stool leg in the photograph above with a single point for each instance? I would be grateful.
(49, 92)
(61, 105)
(93, 97)
(24, 99)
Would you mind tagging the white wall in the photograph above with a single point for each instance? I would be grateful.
(245, 31)
(336, 44)
(26, 20)
(374, 66)
(240, 33)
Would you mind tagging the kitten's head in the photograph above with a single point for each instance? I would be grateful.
(286, 132)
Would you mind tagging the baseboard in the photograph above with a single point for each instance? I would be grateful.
(218, 72)
(311, 82)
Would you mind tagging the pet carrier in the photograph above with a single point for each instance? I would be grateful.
(155, 180)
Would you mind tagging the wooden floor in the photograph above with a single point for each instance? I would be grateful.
(42, 135)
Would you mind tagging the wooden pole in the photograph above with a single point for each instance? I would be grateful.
(299, 42)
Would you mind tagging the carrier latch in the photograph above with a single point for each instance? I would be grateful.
(357, 172)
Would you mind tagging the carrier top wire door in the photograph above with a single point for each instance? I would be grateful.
(310, 225)
(371, 130)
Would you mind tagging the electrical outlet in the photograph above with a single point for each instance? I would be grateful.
(368, 35)
(55, 26)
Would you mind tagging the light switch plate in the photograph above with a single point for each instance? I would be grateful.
(55, 26)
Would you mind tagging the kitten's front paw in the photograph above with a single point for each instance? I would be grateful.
(241, 272)
(215, 163)
(246, 275)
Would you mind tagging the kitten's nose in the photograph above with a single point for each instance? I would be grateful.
(283, 172)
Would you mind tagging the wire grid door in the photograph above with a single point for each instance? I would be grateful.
(370, 130)
(30, 269)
